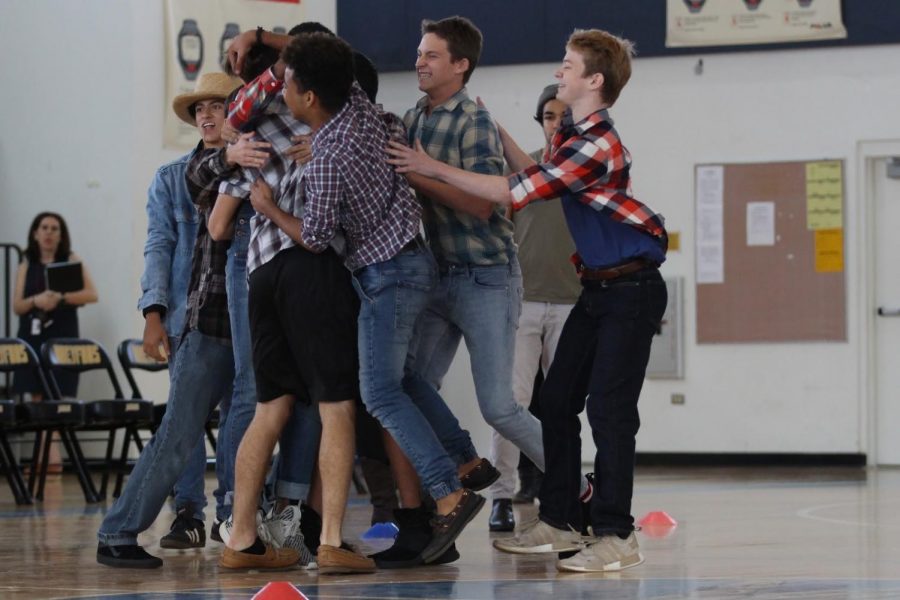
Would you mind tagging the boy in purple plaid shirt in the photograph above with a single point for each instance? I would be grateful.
(348, 188)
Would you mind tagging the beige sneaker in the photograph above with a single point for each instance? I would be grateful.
(536, 537)
(607, 553)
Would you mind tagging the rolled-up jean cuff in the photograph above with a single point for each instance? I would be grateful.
(443, 489)
(468, 456)
(116, 539)
(291, 490)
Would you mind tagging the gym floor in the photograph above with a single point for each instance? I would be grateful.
(764, 533)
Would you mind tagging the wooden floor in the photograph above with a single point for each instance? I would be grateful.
(760, 533)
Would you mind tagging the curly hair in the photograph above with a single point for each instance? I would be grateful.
(322, 64)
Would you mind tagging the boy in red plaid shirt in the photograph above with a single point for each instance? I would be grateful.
(605, 344)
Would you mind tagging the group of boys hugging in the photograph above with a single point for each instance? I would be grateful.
(315, 259)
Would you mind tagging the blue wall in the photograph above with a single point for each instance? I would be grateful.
(535, 31)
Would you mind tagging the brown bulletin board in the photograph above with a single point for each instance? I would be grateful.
(793, 289)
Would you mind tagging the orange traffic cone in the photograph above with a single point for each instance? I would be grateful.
(279, 590)
(658, 524)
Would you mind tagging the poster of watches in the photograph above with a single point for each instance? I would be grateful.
(197, 33)
(692, 23)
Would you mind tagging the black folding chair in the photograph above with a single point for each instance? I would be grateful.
(7, 459)
(132, 356)
(43, 419)
(108, 414)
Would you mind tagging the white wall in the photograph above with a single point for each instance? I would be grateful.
(752, 107)
(81, 125)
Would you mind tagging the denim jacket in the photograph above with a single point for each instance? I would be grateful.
(172, 223)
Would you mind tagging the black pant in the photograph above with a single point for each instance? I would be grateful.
(601, 360)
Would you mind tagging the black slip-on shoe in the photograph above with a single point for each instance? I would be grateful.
(480, 477)
(502, 516)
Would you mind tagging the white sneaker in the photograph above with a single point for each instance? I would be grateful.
(284, 528)
(261, 530)
(536, 537)
(607, 553)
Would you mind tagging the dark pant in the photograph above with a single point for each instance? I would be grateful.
(600, 360)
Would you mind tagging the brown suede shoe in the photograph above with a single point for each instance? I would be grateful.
(333, 560)
(273, 559)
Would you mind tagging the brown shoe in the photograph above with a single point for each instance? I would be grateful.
(273, 559)
(333, 560)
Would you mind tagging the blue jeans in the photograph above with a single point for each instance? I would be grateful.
(202, 375)
(298, 452)
(236, 413)
(189, 489)
(601, 357)
(482, 305)
(392, 295)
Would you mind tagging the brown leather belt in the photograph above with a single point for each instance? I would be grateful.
(613, 272)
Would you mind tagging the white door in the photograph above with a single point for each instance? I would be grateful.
(885, 200)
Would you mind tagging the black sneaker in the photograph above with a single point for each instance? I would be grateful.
(186, 532)
(413, 537)
(214, 534)
(129, 556)
(446, 528)
(449, 556)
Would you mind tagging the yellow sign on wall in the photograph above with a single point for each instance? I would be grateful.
(829, 250)
(824, 195)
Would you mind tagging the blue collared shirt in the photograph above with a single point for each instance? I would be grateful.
(603, 242)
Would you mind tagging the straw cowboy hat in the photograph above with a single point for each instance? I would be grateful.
(210, 86)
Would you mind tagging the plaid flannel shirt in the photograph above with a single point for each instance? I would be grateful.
(252, 99)
(274, 124)
(260, 105)
(587, 160)
(465, 136)
(349, 185)
(207, 303)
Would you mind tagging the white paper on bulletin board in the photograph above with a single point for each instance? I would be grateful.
(709, 234)
(760, 223)
(197, 34)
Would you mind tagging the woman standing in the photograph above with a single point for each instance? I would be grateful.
(43, 313)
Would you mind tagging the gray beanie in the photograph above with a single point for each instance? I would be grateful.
(548, 94)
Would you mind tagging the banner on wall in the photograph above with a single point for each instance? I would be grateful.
(734, 22)
(197, 34)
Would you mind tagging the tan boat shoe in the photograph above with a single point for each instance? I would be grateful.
(273, 559)
(334, 560)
